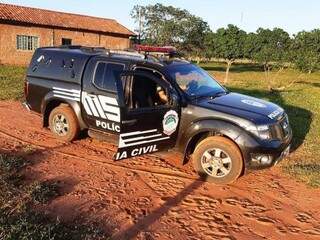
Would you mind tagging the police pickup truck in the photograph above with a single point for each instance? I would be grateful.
(152, 104)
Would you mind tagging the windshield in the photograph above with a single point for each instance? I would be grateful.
(195, 81)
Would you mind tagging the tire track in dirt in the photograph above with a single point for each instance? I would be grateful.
(135, 168)
(153, 198)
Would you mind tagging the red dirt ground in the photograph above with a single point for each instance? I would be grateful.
(154, 197)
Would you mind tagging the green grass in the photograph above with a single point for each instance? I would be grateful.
(301, 101)
(19, 220)
(11, 82)
(42, 192)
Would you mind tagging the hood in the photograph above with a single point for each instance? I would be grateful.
(244, 106)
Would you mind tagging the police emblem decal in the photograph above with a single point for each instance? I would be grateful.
(170, 122)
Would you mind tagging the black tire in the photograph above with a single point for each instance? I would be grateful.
(63, 132)
(230, 160)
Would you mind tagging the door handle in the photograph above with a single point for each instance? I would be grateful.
(130, 122)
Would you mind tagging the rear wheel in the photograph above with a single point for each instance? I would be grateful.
(63, 123)
(218, 160)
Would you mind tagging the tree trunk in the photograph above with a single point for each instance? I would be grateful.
(229, 63)
(267, 76)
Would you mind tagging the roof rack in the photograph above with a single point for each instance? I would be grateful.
(142, 52)
(156, 53)
(84, 48)
(125, 53)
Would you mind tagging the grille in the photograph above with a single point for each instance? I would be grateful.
(284, 123)
(281, 130)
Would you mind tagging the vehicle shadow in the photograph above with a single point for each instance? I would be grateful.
(132, 231)
(300, 118)
(67, 185)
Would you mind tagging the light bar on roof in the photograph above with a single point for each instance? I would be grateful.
(147, 48)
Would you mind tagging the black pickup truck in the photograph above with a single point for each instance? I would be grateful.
(152, 104)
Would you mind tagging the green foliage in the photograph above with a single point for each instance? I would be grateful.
(271, 46)
(167, 25)
(228, 43)
(306, 51)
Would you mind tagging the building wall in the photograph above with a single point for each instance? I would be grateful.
(49, 37)
(8, 49)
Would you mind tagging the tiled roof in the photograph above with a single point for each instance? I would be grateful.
(27, 15)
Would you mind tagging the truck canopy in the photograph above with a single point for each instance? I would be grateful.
(64, 64)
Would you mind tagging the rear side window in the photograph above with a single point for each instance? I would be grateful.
(107, 74)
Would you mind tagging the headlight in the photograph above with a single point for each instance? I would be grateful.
(262, 131)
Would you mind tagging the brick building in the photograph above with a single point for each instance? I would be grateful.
(23, 29)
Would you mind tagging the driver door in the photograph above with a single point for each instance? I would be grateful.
(148, 122)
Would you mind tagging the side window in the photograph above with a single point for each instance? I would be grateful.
(106, 75)
(146, 93)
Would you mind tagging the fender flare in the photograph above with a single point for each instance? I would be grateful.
(216, 127)
(75, 105)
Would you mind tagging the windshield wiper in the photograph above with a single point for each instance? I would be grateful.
(212, 96)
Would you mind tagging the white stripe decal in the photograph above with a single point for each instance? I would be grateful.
(109, 100)
(142, 137)
(138, 132)
(66, 90)
(100, 110)
(95, 105)
(86, 106)
(67, 94)
(92, 107)
(123, 144)
(70, 94)
(66, 97)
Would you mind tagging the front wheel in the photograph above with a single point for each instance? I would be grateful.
(218, 160)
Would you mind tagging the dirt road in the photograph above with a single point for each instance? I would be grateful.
(154, 197)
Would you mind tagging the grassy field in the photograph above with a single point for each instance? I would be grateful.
(301, 101)
(11, 82)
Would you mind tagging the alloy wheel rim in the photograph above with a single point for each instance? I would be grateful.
(60, 125)
(216, 162)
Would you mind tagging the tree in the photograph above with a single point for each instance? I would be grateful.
(271, 47)
(167, 25)
(251, 46)
(306, 49)
(228, 43)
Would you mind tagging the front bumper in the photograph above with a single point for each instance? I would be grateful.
(262, 154)
(267, 159)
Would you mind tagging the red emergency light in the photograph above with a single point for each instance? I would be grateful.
(147, 48)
